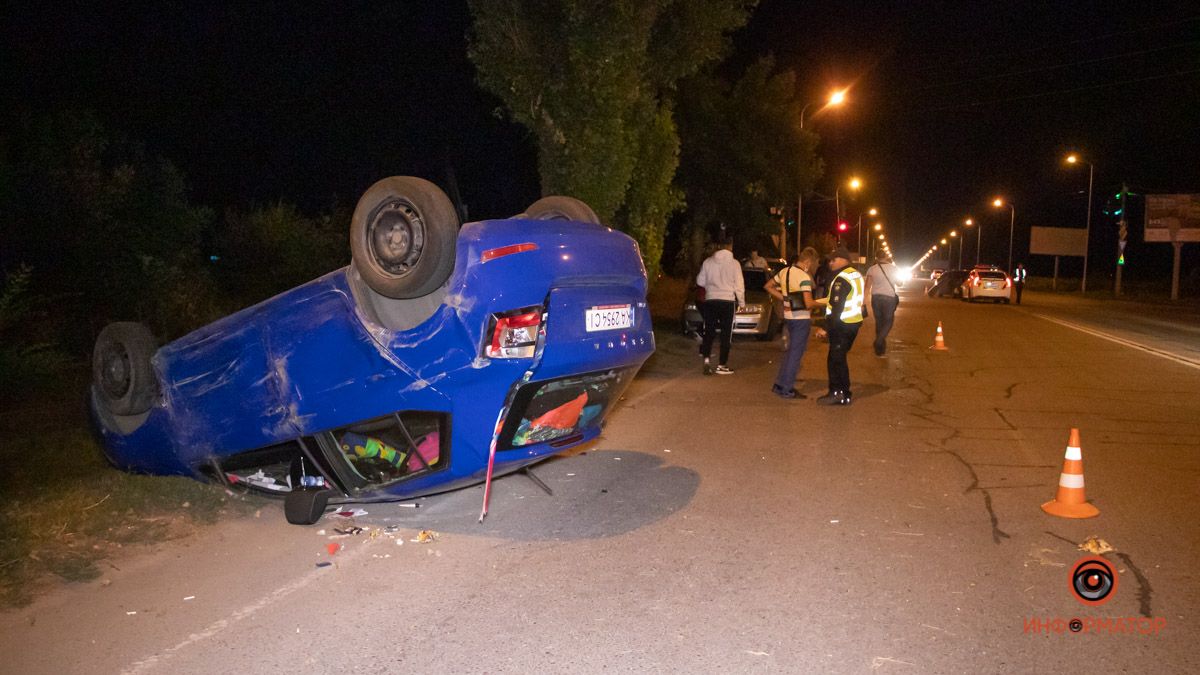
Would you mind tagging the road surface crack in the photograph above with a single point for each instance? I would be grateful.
(997, 533)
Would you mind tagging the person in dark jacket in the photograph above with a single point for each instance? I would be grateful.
(844, 313)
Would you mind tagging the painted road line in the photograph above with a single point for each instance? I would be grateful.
(1122, 341)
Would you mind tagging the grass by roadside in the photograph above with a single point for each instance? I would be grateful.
(65, 512)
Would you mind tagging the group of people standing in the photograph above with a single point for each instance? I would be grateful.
(844, 304)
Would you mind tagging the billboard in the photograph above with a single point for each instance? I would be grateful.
(1057, 241)
(1172, 218)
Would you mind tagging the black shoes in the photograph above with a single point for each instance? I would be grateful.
(835, 398)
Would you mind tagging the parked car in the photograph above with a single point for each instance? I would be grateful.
(400, 375)
(762, 316)
(948, 284)
(990, 284)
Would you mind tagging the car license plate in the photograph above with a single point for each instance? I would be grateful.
(608, 317)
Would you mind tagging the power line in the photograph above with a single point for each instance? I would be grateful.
(1055, 45)
(1060, 91)
(1060, 66)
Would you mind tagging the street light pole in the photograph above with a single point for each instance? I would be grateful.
(1087, 233)
(1012, 219)
(800, 197)
(835, 99)
(970, 222)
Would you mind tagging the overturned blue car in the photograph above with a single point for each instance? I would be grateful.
(437, 352)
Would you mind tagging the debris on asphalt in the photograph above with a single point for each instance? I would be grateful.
(324, 564)
(835, 521)
(349, 513)
(878, 661)
(425, 536)
(349, 531)
(190, 597)
(333, 547)
(754, 653)
(130, 613)
(320, 533)
(1095, 545)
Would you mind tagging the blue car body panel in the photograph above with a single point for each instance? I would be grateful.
(312, 359)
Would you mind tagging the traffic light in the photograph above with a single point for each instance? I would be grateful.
(843, 226)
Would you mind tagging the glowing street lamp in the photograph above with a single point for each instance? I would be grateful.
(1012, 218)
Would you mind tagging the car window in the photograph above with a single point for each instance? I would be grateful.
(754, 278)
(992, 275)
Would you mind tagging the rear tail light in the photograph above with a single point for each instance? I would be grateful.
(976, 282)
(493, 253)
(514, 334)
(1007, 282)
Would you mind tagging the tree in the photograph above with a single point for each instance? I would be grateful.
(270, 249)
(743, 150)
(594, 82)
(109, 230)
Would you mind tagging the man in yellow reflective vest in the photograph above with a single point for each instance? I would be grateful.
(844, 314)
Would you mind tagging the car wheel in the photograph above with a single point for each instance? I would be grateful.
(558, 207)
(402, 237)
(122, 373)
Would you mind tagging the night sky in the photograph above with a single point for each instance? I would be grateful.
(952, 103)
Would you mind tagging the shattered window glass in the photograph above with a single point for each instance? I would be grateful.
(395, 447)
(559, 408)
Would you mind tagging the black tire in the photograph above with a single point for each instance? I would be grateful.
(122, 373)
(557, 207)
(402, 237)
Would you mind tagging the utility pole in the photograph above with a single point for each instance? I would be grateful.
(1122, 232)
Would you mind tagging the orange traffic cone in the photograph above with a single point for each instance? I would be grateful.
(1070, 501)
(939, 342)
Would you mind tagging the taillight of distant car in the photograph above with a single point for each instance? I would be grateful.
(1007, 282)
(514, 334)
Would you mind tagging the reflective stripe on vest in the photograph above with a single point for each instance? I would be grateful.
(852, 310)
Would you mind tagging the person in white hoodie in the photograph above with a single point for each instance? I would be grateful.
(724, 293)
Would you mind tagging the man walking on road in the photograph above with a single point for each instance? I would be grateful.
(881, 289)
(844, 313)
(724, 292)
(1019, 280)
(794, 287)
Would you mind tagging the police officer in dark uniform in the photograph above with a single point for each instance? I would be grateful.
(844, 314)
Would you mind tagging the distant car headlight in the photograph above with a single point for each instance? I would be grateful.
(905, 274)
(751, 309)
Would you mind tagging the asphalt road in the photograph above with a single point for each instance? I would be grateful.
(716, 528)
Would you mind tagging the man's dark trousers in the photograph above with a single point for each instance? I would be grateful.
(884, 307)
(841, 338)
(718, 316)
